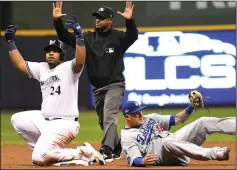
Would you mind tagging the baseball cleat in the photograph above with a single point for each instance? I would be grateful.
(98, 157)
(108, 158)
(222, 153)
(117, 151)
(85, 152)
(106, 151)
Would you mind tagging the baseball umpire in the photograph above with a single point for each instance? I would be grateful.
(105, 48)
(146, 140)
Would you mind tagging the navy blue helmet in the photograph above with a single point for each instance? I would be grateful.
(59, 45)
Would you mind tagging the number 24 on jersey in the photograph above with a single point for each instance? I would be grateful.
(55, 90)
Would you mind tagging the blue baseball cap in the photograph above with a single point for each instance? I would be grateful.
(131, 107)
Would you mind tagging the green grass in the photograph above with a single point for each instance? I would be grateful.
(90, 130)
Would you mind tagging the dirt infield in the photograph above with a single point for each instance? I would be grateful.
(19, 156)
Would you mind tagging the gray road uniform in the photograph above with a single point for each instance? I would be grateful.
(174, 148)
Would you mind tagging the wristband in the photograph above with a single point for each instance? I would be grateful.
(189, 110)
(138, 162)
(80, 41)
(11, 46)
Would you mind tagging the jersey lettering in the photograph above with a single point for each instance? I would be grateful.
(50, 80)
(147, 132)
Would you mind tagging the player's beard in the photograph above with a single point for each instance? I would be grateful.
(53, 64)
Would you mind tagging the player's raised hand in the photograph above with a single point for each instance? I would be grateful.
(57, 10)
(196, 99)
(127, 14)
(10, 32)
(74, 24)
(149, 159)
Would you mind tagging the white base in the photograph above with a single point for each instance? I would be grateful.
(73, 162)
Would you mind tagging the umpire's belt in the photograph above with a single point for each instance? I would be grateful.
(63, 118)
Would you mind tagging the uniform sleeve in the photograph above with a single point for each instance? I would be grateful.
(130, 149)
(63, 33)
(33, 69)
(130, 36)
(163, 120)
(70, 72)
(72, 68)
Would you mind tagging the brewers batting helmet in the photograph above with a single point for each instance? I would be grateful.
(58, 44)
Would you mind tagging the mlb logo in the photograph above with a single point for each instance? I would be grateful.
(109, 50)
(51, 42)
(136, 103)
(101, 9)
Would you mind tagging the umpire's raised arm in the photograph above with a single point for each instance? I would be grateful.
(131, 34)
(62, 32)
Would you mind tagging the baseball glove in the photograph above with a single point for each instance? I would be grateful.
(196, 99)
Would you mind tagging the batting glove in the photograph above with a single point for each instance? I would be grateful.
(74, 24)
(10, 32)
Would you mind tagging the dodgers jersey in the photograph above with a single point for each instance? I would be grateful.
(59, 88)
(137, 142)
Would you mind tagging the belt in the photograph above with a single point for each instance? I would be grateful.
(63, 118)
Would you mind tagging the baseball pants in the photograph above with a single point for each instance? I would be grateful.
(179, 147)
(47, 139)
(107, 104)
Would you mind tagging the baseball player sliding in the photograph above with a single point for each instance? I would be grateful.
(49, 130)
(146, 140)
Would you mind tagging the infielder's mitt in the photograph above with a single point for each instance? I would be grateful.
(196, 99)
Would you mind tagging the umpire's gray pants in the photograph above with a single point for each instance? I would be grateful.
(107, 104)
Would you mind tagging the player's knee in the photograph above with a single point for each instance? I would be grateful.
(38, 158)
(110, 119)
(41, 159)
(203, 120)
(166, 143)
(16, 121)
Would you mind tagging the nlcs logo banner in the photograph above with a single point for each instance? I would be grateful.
(162, 67)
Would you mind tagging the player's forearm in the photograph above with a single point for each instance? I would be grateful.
(80, 54)
(182, 116)
(15, 56)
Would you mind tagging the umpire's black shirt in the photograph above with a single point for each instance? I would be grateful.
(104, 51)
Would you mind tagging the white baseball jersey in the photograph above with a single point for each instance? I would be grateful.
(59, 88)
(137, 142)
